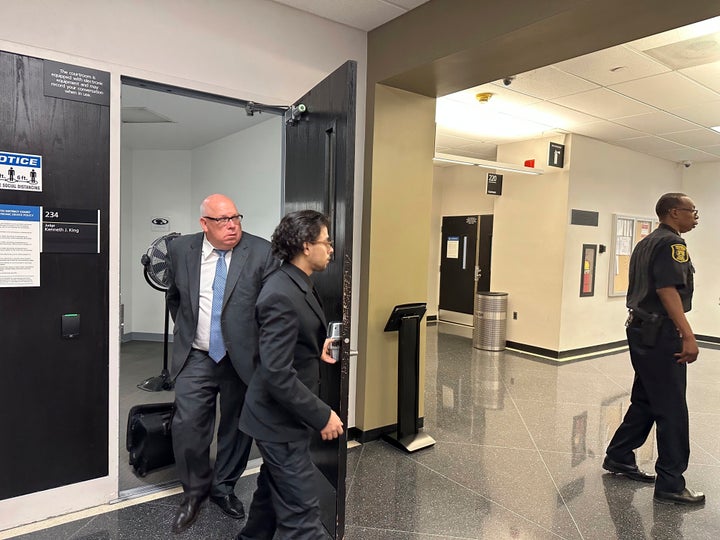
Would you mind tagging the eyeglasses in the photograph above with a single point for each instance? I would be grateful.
(328, 243)
(237, 218)
(693, 210)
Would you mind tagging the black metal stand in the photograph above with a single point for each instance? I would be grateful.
(162, 381)
(406, 320)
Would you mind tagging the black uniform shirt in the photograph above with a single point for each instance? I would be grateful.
(659, 260)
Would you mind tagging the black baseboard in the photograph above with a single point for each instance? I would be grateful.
(361, 436)
(597, 350)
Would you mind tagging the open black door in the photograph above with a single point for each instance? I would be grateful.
(319, 175)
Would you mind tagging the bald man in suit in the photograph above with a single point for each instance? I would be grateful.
(214, 351)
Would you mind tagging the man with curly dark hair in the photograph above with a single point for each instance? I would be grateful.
(281, 406)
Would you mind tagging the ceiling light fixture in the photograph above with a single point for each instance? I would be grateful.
(486, 164)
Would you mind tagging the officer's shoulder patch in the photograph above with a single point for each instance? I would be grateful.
(679, 253)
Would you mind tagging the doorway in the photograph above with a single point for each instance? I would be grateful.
(464, 265)
(177, 147)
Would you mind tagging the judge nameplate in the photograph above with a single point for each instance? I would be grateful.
(70, 231)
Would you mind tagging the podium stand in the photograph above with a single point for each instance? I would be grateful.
(405, 319)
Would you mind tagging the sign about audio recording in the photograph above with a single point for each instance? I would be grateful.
(77, 83)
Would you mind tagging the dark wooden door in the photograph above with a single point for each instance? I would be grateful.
(319, 175)
(464, 261)
(54, 391)
(457, 263)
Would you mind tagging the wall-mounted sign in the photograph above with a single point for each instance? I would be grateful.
(494, 184)
(19, 246)
(70, 231)
(556, 155)
(21, 172)
(160, 224)
(77, 83)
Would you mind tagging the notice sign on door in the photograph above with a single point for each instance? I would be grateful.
(22, 172)
(19, 246)
(494, 184)
(452, 248)
(71, 231)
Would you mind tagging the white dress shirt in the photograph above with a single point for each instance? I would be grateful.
(208, 262)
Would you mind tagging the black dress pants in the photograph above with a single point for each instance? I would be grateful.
(658, 395)
(285, 500)
(196, 390)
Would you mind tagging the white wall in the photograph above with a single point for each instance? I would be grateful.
(701, 183)
(254, 50)
(247, 167)
(609, 180)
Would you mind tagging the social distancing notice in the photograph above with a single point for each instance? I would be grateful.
(22, 172)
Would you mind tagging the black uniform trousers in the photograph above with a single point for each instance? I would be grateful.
(658, 395)
(196, 390)
(285, 499)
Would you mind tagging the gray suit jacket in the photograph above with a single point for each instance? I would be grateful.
(252, 261)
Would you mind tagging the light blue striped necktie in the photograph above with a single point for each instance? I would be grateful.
(217, 350)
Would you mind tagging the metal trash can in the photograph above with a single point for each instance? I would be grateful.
(490, 328)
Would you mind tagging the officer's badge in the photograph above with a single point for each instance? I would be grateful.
(679, 253)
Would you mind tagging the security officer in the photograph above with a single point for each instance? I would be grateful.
(661, 345)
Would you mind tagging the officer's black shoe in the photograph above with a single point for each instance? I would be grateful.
(631, 471)
(686, 496)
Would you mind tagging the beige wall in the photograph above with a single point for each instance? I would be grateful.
(458, 190)
(529, 244)
(397, 221)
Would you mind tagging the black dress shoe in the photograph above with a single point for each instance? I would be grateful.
(186, 514)
(686, 496)
(231, 505)
(631, 471)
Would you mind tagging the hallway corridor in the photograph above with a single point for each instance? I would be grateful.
(518, 455)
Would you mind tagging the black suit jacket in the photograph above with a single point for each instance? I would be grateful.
(252, 261)
(281, 402)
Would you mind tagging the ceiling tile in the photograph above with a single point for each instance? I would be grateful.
(555, 115)
(705, 114)
(604, 103)
(683, 33)
(715, 149)
(656, 123)
(548, 83)
(364, 15)
(695, 137)
(503, 97)
(648, 144)
(685, 154)
(707, 75)
(666, 91)
(608, 131)
(612, 66)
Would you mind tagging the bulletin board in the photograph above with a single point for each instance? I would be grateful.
(626, 233)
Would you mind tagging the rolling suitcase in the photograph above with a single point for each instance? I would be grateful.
(149, 437)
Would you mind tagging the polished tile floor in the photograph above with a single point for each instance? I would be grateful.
(518, 455)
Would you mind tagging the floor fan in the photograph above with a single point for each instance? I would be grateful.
(155, 267)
